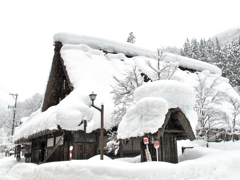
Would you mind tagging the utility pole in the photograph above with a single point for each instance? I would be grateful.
(15, 96)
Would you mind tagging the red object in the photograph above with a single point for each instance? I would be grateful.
(156, 144)
(146, 141)
(70, 157)
(70, 150)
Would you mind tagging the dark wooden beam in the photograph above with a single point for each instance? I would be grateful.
(174, 131)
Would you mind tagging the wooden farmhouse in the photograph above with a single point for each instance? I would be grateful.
(82, 65)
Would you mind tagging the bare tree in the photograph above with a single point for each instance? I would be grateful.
(163, 69)
(123, 92)
(208, 99)
(236, 112)
(112, 143)
(133, 78)
(28, 106)
(122, 97)
(6, 127)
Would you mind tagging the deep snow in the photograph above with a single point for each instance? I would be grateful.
(220, 161)
(153, 100)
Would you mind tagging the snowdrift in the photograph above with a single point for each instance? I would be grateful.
(220, 161)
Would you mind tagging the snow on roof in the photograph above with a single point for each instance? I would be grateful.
(194, 64)
(91, 70)
(153, 101)
(130, 49)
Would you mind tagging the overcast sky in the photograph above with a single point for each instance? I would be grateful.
(27, 29)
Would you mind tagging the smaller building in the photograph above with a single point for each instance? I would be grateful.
(157, 115)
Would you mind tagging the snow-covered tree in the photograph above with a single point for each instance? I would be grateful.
(235, 114)
(226, 57)
(124, 88)
(208, 99)
(195, 49)
(233, 63)
(123, 92)
(202, 51)
(122, 98)
(161, 68)
(131, 38)
(24, 109)
(133, 78)
(218, 57)
(28, 106)
(6, 127)
(210, 51)
(112, 143)
(187, 50)
(173, 50)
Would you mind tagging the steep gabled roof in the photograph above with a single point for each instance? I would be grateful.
(58, 76)
(177, 123)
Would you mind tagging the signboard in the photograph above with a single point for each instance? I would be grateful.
(146, 141)
(156, 144)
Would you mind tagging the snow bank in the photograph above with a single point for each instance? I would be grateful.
(212, 164)
(153, 101)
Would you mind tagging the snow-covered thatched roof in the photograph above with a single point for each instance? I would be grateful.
(92, 70)
(129, 49)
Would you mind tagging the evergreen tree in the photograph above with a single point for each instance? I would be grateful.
(233, 58)
(218, 55)
(131, 38)
(187, 50)
(202, 50)
(210, 51)
(195, 49)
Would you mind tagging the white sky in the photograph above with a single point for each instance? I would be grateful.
(27, 29)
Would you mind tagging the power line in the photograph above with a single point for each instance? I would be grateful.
(2, 88)
(6, 103)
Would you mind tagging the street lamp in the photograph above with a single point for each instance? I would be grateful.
(93, 97)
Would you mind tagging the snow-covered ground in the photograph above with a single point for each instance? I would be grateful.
(219, 161)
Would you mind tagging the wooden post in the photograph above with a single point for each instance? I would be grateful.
(101, 136)
(84, 148)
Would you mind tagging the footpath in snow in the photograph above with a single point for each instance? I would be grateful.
(219, 161)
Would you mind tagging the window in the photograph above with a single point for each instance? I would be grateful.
(57, 139)
(50, 142)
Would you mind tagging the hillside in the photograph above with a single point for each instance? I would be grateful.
(228, 35)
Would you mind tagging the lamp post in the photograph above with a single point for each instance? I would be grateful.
(93, 97)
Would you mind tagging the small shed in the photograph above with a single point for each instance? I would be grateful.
(176, 127)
